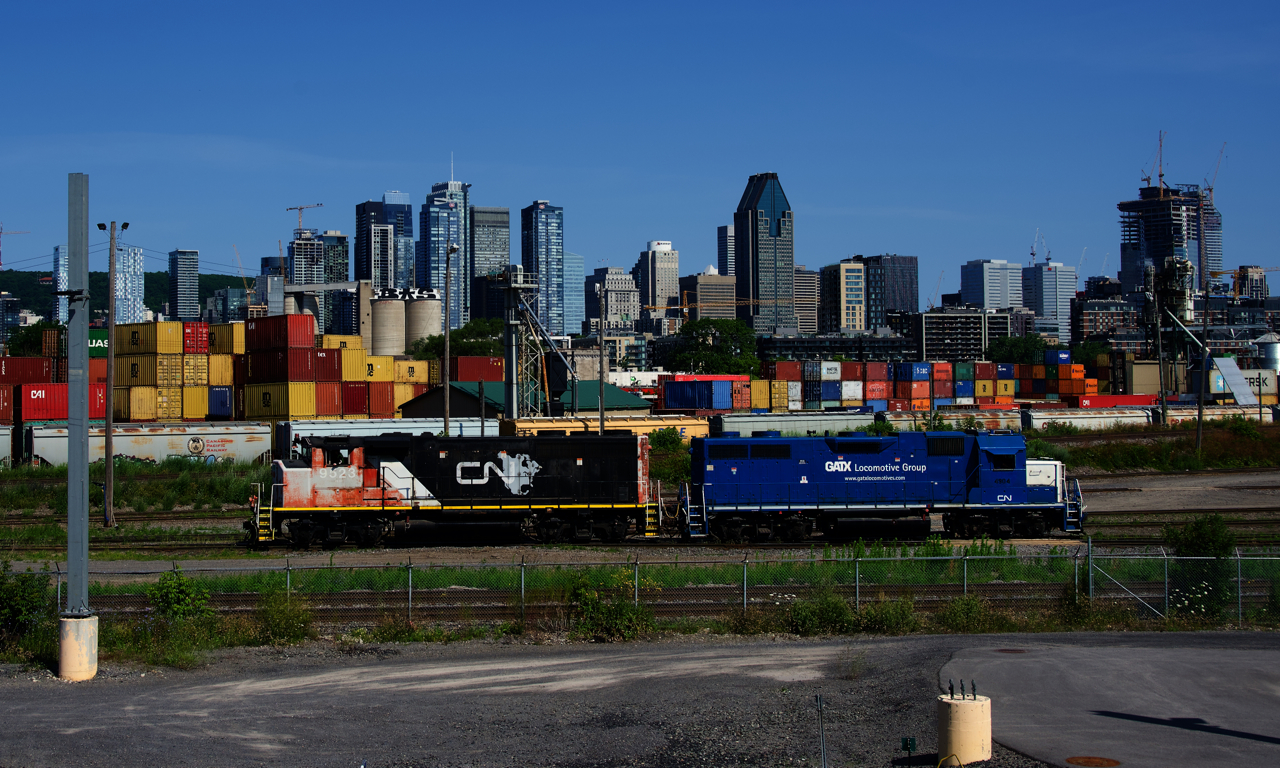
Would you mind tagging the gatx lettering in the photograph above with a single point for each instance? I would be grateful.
(849, 466)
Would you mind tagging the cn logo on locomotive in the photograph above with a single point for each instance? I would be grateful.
(516, 473)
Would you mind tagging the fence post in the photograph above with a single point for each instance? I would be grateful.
(1075, 572)
(288, 578)
(1239, 591)
(744, 584)
(1089, 544)
(636, 599)
(965, 560)
(522, 589)
(409, 607)
(1165, 555)
(857, 583)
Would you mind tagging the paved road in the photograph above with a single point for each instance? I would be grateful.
(1152, 707)
(1175, 491)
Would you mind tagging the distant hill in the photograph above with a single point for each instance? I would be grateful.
(38, 298)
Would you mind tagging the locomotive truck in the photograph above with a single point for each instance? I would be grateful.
(768, 486)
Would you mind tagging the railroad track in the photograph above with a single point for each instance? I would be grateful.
(201, 543)
(47, 481)
(1102, 478)
(11, 521)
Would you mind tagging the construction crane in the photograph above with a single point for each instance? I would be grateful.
(1208, 185)
(301, 208)
(1080, 266)
(1239, 277)
(4, 232)
(243, 279)
(936, 288)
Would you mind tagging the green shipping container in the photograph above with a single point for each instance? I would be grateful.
(1051, 371)
(97, 342)
(964, 371)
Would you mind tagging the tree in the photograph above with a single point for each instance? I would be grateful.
(1086, 352)
(481, 337)
(28, 341)
(716, 346)
(1027, 350)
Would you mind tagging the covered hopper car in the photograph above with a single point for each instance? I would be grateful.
(362, 489)
(770, 486)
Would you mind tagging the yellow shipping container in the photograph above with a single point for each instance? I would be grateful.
(401, 394)
(355, 416)
(221, 370)
(169, 403)
(433, 372)
(760, 393)
(984, 388)
(1270, 400)
(195, 403)
(133, 404)
(353, 365)
(1004, 388)
(149, 338)
(285, 400)
(226, 339)
(778, 395)
(412, 372)
(195, 370)
(148, 371)
(337, 341)
(378, 367)
(850, 403)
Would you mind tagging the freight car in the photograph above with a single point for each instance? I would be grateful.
(906, 421)
(362, 489)
(769, 486)
(792, 422)
(207, 442)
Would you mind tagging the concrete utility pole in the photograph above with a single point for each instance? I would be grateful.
(444, 372)
(1204, 374)
(109, 453)
(77, 625)
(604, 297)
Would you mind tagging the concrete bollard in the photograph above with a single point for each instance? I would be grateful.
(78, 648)
(964, 729)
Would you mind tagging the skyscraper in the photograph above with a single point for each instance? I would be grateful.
(444, 222)
(394, 210)
(337, 257)
(991, 284)
(1047, 289)
(621, 301)
(1167, 222)
(382, 256)
(842, 297)
(184, 285)
(542, 253)
(764, 256)
(806, 293)
(893, 283)
(130, 290)
(490, 231)
(724, 250)
(657, 277)
(574, 307)
(60, 278)
(306, 265)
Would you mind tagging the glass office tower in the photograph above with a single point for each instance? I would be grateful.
(542, 253)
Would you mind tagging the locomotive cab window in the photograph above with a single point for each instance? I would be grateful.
(733, 451)
(1003, 459)
(946, 446)
(780, 451)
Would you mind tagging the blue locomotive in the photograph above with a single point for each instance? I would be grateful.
(858, 485)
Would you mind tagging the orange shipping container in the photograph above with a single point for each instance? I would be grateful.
(1091, 386)
(328, 398)
(97, 370)
(1004, 398)
(1037, 371)
(1075, 371)
(920, 404)
(382, 398)
(876, 390)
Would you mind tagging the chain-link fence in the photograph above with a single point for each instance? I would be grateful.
(1146, 587)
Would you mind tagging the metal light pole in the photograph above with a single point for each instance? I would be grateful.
(109, 454)
(1204, 374)
(604, 298)
(444, 372)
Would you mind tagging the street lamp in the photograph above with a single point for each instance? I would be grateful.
(448, 264)
(108, 449)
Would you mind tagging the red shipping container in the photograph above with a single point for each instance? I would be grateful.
(944, 389)
(6, 405)
(195, 338)
(328, 365)
(877, 372)
(26, 370)
(919, 390)
(382, 399)
(239, 370)
(1112, 401)
(782, 370)
(707, 377)
(876, 390)
(942, 372)
(420, 389)
(899, 405)
(280, 365)
(355, 398)
(984, 371)
(851, 371)
(328, 398)
(280, 331)
(98, 370)
(474, 369)
(985, 400)
(1051, 386)
(48, 402)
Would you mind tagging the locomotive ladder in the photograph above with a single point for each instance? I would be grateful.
(263, 515)
(652, 521)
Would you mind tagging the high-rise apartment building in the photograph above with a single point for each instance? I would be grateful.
(306, 266)
(490, 233)
(542, 253)
(394, 210)
(1168, 222)
(228, 305)
(60, 283)
(724, 250)
(764, 256)
(842, 302)
(445, 221)
(574, 304)
(991, 284)
(1253, 282)
(711, 294)
(807, 300)
(1047, 289)
(381, 241)
(130, 289)
(621, 301)
(337, 257)
(184, 285)
(893, 285)
(657, 277)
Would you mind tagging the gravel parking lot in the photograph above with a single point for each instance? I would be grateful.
(671, 701)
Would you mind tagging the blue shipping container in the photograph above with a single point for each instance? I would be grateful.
(1005, 371)
(220, 401)
(964, 389)
(811, 371)
(1038, 386)
(812, 390)
(912, 372)
(937, 401)
(1057, 357)
(721, 395)
(831, 391)
(699, 395)
(878, 405)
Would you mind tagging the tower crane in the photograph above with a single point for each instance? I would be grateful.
(1209, 184)
(4, 232)
(1081, 265)
(243, 279)
(936, 288)
(301, 208)
(1238, 276)
(685, 305)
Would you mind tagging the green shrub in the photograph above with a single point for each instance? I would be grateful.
(397, 629)
(823, 614)
(756, 621)
(879, 429)
(1206, 536)
(889, 617)
(969, 613)
(177, 597)
(1037, 448)
(25, 599)
(606, 620)
(1242, 427)
(282, 619)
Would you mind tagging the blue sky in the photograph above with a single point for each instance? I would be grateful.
(947, 131)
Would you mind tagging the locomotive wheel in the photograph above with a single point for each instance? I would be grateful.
(731, 531)
(300, 534)
(793, 530)
(550, 531)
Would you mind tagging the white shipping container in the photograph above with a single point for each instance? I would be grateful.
(795, 405)
(204, 441)
(6, 445)
(1268, 380)
(850, 390)
(795, 390)
(830, 371)
(289, 434)
(964, 401)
